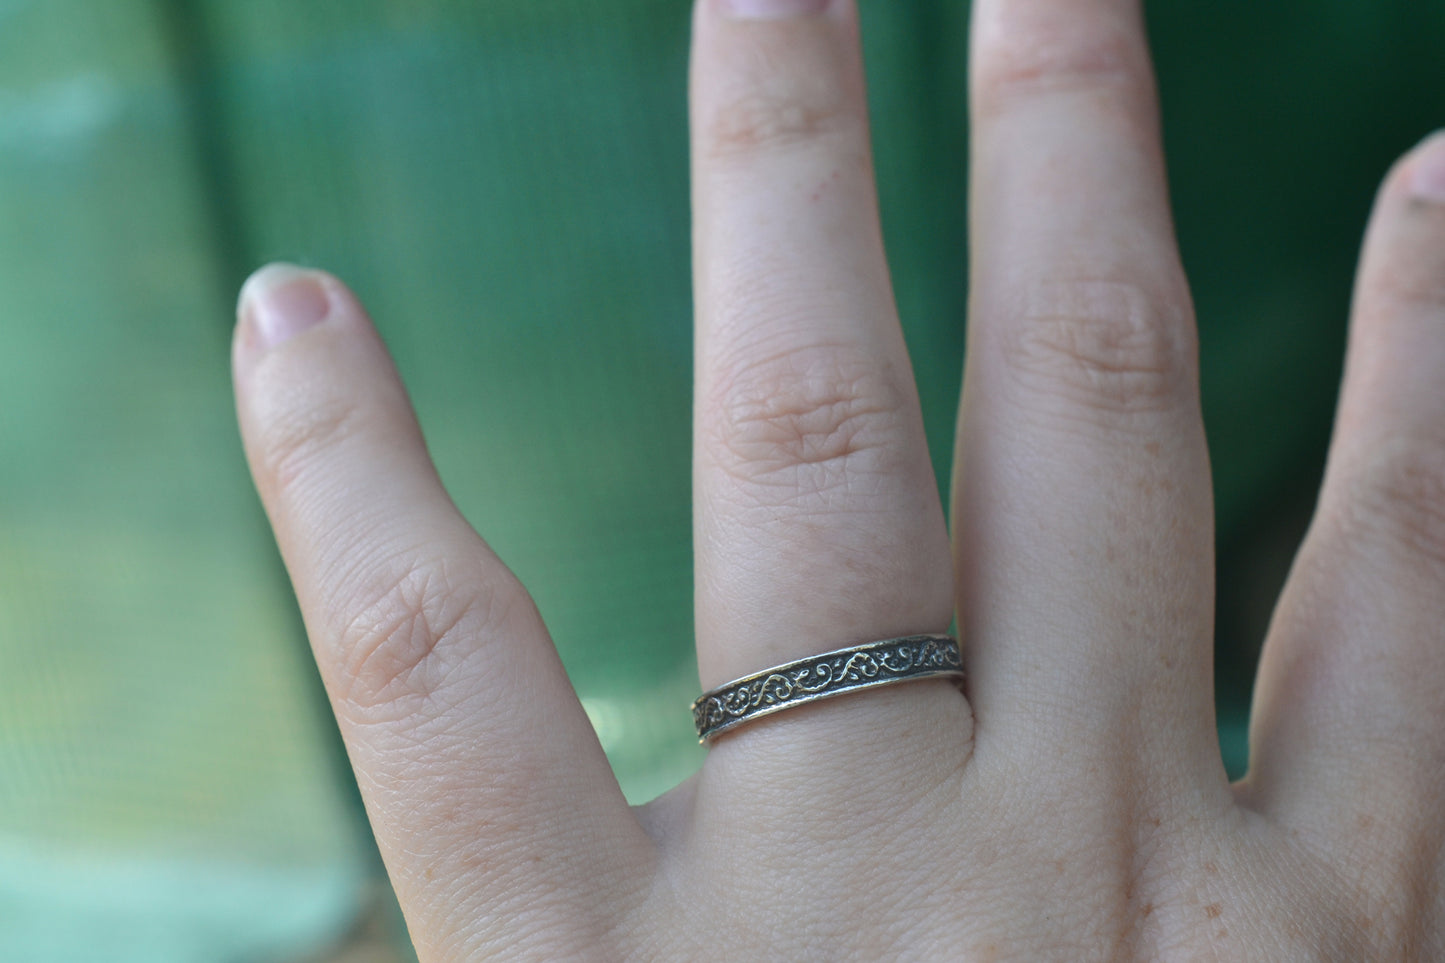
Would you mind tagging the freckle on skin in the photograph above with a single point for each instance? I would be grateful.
(1210, 868)
(831, 178)
(1148, 908)
(1214, 911)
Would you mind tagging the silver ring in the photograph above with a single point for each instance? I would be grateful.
(824, 676)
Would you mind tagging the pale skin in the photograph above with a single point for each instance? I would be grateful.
(1070, 803)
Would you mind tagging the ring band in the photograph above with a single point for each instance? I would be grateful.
(824, 676)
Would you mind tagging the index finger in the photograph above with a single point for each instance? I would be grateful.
(483, 779)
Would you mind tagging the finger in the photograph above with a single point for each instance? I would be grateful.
(817, 517)
(1349, 723)
(485, 785)
(1082, 509)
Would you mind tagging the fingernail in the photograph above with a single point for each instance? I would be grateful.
(772, 9)
(281, 301)
(1427, 179)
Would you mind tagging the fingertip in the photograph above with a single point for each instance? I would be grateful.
(279, 302)
(771, 9)
(1425, 177)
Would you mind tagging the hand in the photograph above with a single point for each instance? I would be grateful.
(1069, 806)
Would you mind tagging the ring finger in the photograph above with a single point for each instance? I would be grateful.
(817, 517)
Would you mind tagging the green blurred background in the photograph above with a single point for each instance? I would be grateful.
(505, 183)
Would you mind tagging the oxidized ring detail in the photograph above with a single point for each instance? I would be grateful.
(824, 676)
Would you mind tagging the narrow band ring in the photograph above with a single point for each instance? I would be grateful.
(824, 676)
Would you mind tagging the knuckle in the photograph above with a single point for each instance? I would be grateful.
(1396, 497)
(785, 95)
(808, 419)
(1403, 290)
(765, 120)
(1021, 61)
(1108, 347)
(413, 628)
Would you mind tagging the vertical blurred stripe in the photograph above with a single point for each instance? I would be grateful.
(166, 791)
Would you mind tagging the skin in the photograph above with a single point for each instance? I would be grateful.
(1071, 804)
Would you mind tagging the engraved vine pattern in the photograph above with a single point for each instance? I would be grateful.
(824, 675)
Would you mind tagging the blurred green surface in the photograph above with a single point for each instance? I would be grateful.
(505, 184)
(167, 790)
